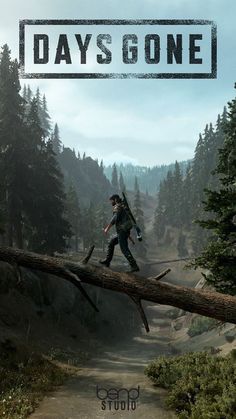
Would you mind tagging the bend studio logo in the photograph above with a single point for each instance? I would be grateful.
(99, 49)
(118, 399)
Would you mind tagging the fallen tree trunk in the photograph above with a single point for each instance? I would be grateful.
(207, 303)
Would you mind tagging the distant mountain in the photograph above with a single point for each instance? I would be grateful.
(87, 176)
(149, 178)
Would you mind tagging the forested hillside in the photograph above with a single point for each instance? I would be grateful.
(51, 198)
(205, 192)
(149, 178)
(32, 198)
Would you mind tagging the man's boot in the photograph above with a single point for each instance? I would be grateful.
(133, 264)
(134, 268)
(110, 252)
(104, 262)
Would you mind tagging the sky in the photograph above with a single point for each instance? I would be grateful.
(142, 121)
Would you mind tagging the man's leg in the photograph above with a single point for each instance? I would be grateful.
(110, 251)
(123, 242)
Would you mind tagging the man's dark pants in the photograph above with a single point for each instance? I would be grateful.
(122, 238)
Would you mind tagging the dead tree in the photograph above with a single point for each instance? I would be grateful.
(207, 303)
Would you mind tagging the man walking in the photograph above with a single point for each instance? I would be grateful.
(123, 223)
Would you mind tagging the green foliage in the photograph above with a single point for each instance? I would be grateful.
(47, 216)
(56, 141)
(160, 217)
(139, 217)
(24, 384)
(114, 179)
(149, 178)
(181, 246)
(200, 385)
(219, 256)
(122, 183)
(90, 228)
(200, 325)
(169, 209)
(102, 217)
(32, 198)
(74, 216)
(87, 177)
(13, 145)
(181, 193)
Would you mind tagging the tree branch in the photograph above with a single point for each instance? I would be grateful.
(88, 256)
(138, 303)
(161, 275)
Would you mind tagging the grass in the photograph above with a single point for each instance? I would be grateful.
(25, 380)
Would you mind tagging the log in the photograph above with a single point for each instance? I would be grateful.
(207, 303)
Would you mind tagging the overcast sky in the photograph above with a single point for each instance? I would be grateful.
(147, 122)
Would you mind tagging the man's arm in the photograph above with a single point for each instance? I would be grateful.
(110, 225)
(107, 228)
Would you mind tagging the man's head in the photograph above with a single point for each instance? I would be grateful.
(115, 199)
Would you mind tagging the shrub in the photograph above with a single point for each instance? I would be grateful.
(200, 385)
(200, 325)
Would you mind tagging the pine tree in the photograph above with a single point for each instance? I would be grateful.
(29, 94)
(177, 196)
(214, 182)
(56, 141)
(164, 212)
(45, 118)
(198, 174)
(181, 246)
(90, 228)
(47, 228)
(13, 148)
(187, 202)
(24, 93)
(209, 161)
(136, 185)
(102, 217)
(159, 216)
(219, 257)
(34, 127)
(122, 183)
(114, 179)
(200, 179)
(43, 113)
(169, 198)
(139, 217)
(51, 230)
(74, 215)
(39, 102)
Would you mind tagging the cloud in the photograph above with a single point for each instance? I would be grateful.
(144, 121)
